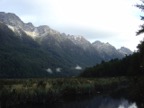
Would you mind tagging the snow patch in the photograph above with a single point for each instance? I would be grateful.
(11, 27)
(32, 34)
(14, 29)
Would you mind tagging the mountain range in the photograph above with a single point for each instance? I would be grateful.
(29, 51)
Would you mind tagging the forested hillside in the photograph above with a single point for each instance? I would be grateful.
(128, 66)
(29, 51)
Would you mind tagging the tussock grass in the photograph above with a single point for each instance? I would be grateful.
(44, 91)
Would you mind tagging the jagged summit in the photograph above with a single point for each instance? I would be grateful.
(42, 48)
(16, 24)
(77, 38)
(125, 51)
(106, 50)
(103, 46)
(11, 19)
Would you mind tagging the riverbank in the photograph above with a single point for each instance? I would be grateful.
(46, 91)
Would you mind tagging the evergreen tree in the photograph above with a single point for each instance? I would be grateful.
(141, 6)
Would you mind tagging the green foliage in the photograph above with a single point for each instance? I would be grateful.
(44, 91)
(21, 57)
(141, 6)
(128, 66)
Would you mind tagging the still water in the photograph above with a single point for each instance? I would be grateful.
(100, 102)
(96, 102)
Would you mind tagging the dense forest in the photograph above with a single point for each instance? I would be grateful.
(129, 66)
(22, 57)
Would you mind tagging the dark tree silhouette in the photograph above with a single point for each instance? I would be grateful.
(141, 6)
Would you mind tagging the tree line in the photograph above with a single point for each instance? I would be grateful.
(129, 66)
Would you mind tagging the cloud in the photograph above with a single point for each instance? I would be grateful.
(49, 70)
(105, 20)
(78, 67)
(58, 69)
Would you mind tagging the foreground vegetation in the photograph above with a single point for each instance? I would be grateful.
(45, 91)
(15, 92)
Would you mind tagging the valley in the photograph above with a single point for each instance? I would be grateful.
(30, 51)
(41, 66)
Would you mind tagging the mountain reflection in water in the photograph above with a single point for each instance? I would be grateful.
(100, 102)
(96, 102)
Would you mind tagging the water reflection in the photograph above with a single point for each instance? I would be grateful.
(96, 102)
(126, 104)
(100, 102)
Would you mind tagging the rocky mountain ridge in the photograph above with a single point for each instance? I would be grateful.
(66, 51)
(125, 51)
(15, 23)
(108, 51)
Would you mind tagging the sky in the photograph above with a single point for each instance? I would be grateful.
(112, 21)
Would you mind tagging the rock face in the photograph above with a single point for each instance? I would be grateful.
(60, 51)
(106, 50)
(125, 51)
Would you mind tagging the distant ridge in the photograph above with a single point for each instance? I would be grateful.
(40, 51)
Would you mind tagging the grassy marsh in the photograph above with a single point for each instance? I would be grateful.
(44, 91)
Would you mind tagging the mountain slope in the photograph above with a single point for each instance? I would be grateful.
(125, 51)
(107, 51)
(31, 51)
(23, 57)
(15, 55)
